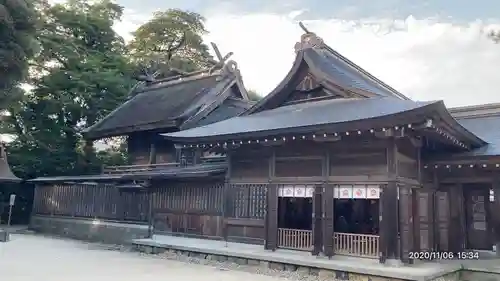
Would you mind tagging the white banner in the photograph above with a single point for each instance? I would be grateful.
(340, 191)
(357, 192)
(298, 191)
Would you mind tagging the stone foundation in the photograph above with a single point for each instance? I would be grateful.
(88, 229)
(323, 274)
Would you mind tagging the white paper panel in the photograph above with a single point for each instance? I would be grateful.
(373, 192)
(309, 191)
(345, 191)
(359, 192)
(300, 191)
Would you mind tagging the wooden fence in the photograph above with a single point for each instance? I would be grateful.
(91, 200)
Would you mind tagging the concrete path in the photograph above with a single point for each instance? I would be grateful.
(29, 258)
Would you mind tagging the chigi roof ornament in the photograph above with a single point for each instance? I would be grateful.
(308, 40)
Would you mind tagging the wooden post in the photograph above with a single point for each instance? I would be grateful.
(389, 206)
(88, 152)
(272, 218)
(228, 198)
(457, 229)
(495, 216)
(317, 217)
(328, 220)
(152, 152)
(406, 233)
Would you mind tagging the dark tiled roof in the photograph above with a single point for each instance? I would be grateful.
(342, 72)
(155, 104)
(487, 128)
(229, 108)
(300, 116)
(91, 178)
(195, 171)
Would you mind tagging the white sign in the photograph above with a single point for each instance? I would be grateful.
(12, 200)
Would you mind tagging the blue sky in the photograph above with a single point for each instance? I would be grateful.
(428, 50)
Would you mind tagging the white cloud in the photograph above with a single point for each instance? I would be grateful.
(424, 59)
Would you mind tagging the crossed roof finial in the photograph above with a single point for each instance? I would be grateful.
(308, 40)
(228, 66)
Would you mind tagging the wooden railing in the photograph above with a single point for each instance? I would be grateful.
(137, 168)
(359, 245)
(213, 159)
(295, 239)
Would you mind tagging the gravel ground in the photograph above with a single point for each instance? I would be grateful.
(34, 257)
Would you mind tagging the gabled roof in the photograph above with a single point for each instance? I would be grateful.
(335, 115)
(167, 104)
(331, 69)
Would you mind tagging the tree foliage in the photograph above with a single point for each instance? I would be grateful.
(253, 95)
(495, 36)
(17, 46)
(82, 71)
(171, 39)
(79, 76)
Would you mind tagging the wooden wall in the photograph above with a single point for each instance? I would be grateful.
(139, 148)
(189, 208)
(87, 200)
(245, 212)
(349, 159)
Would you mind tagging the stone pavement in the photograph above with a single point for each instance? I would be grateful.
(31, 257)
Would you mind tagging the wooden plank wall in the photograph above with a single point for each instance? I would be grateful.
(245, 212)
(88, 200)
(189, 208)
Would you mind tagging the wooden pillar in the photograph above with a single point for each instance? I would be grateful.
(271, 226)
(406, 234)
(271, 223)
(152, 152)
(317, 217)
(457, 228)
(495, 216)
(389, 206)
(328, 220)
(228, 202)
(88, 152)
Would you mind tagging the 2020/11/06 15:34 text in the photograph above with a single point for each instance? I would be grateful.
(466, 255)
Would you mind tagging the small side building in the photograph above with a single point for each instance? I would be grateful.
(124, 193)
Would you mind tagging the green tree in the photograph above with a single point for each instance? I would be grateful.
(171, 39)
(253, 95)
(495, 36)
(17, 46)
(79, 76)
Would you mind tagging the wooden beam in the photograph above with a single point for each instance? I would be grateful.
(389, 203)
(495, 216)
(152, 152)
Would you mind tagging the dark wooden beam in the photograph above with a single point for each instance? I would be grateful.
(495, 216)
(389, 203)
(457, 229)
(152, 152)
